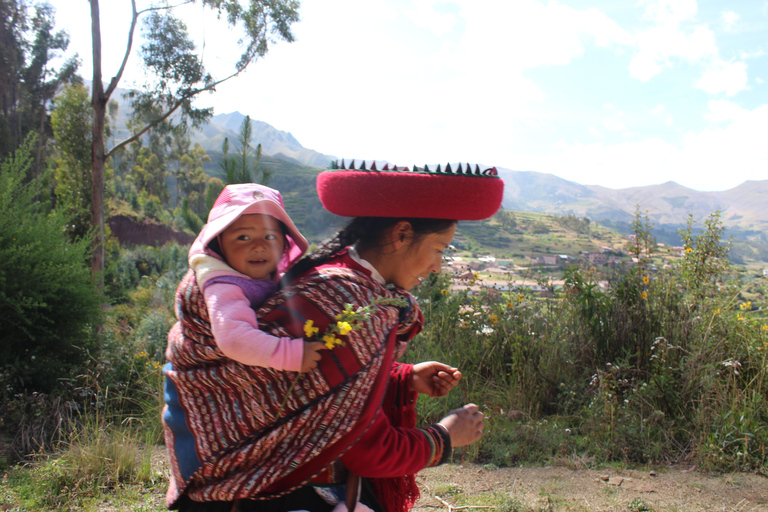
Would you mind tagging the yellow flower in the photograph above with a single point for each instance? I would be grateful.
(344, 327)
(646, 280)
(765, 327)
(309, 329)
(444, 292)
(510, 305)
(494, 319)
(331, 341)
(644, 295)
(688, 249)
(746, 305)
(519, 297)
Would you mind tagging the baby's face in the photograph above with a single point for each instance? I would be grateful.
(253, 245)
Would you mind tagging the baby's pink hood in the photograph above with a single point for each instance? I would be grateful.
(246, 198)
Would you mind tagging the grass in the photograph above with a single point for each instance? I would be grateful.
(661, 366)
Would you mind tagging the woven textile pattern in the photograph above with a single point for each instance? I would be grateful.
(248, 436)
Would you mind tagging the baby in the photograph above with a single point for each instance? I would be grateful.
(238, 257)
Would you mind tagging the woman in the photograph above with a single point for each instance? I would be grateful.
(251, 438)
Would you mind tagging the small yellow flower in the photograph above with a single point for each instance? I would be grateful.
(494, 319)
(344, 327)
(739, 317)
(646, 280)
(644, 295)
(444, 292)
(309, 329)
(510, 305)
(746, 305)
(519, 297)
(765, 327)
(331, 341)
(688, 249)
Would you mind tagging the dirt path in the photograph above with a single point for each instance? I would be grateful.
(562, 489)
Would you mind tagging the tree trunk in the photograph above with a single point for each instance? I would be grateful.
(99, 103)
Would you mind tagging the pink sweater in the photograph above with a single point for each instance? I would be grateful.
(234, 325)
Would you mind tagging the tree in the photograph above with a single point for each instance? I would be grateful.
(244, 166)
(72, 162)
(47, 297)
(176, 75)
(28, 83)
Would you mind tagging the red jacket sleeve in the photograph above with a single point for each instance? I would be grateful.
(392, 446)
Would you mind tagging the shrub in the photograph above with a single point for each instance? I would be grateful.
(48, 299)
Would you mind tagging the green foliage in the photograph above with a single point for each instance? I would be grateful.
(244, 166)
(28, 80)
(48, 301)
(71, 120)
(642, 367)
(573, 223)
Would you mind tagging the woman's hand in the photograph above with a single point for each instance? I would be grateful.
(434, 379)
(465, 425)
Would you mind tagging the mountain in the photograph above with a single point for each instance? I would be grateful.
(744, 207)
(273, 142)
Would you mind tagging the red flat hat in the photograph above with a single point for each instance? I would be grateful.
(461, 194)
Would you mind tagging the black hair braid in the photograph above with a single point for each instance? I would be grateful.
(327, 250)
(367, 233)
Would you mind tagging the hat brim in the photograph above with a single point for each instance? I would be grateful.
(360, 193)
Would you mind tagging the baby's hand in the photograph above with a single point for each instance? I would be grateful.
(311, 355)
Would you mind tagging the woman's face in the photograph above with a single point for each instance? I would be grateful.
(253, 245)
(417, 258)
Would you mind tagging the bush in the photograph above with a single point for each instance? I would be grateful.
(48, 299)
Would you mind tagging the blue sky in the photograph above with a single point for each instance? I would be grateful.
(600, 92)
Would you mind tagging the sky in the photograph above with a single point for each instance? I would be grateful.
(617, 93)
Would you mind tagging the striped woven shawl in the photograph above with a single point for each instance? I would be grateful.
(234, 431)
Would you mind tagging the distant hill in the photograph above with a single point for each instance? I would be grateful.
(273, 142)
(743, 208)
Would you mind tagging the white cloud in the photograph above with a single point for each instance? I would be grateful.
(720, 111)
(669, 11)
(425, 15)
(716, 158)
(729, 19)
(526, 34)
(661, 111)
(658, 46)
(721, 76)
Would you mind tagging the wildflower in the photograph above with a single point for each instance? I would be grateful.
(646, 280)
(331, 341)
(746, 305)
(644, 295)
(309, 329)
(494, 319)
(344, 327)
(688, 249)
(510, 305)
(765, 327)
(445, 292)
(519, 297)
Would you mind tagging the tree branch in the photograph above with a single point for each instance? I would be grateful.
(165, 7)
(134, 19)
(116, 79)
(170, 111)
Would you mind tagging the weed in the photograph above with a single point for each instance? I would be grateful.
(638, 505)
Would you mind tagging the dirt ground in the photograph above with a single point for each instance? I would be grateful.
(559, 489)
(453, 487)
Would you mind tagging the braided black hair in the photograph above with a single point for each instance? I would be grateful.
(366, 233)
